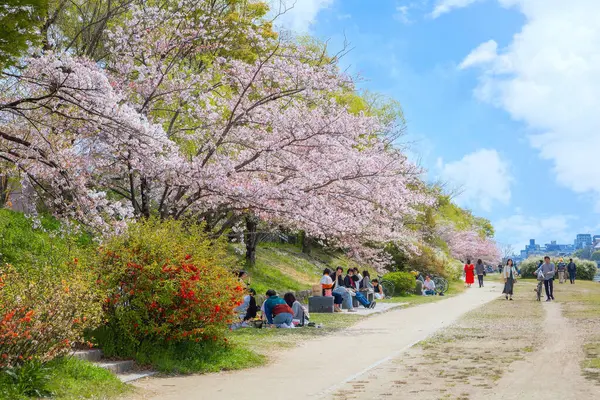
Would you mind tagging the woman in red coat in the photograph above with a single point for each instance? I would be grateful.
(469, 273)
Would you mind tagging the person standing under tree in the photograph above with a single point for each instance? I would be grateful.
(548, 269)
(469, 273)
(509, 273)
(572, 270)
(480, 270)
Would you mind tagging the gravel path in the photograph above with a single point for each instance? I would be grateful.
(553, 372)
(317, 368)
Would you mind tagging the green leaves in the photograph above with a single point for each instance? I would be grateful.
(20, 23)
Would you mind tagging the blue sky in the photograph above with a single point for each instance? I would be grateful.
(499, 97)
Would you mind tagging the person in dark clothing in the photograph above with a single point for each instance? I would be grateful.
(340, 288)
(252, 308)
(350, 282)
(480, 270)
(572, 270)
(549, 270)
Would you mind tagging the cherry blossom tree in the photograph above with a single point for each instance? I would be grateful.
(469, 244)
(185, 120)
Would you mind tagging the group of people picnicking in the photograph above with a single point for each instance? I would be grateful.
(287, 312)
(353, 284)
(546, 272)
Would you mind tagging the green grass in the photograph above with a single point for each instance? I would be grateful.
(191, 357)
(71, 379)
(284, 267)
(455, 288)
(265, 340)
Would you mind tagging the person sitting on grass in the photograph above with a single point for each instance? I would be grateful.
(277, 311)
(428, 287)
(300, 312)
(252, 308)
(377, 289)
(327, 286)
(350, 284)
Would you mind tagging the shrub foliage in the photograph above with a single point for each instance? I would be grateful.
(43, 314)
(404, 282)
(165, 282)
(586, 269)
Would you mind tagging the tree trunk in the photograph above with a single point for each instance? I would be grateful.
(251, 239)
(3, 190)
(305, 242)
(145, 192)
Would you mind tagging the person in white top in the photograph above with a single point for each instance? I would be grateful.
(428, 287)
(327, 286)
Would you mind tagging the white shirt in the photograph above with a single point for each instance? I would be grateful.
(429, 285)
(326, 280)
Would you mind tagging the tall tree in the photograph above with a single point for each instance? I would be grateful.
(184, 119)
(20, 25)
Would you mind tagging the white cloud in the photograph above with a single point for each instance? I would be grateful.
(483, 176)
(484, 53)
(402, 14)
(549, 78)
(518, 229)
(300, 14)
(445, 6)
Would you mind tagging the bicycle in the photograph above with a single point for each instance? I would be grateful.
(441, 284)
(388, 287)
(538, 291)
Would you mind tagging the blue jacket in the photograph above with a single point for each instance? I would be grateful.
(275, 306)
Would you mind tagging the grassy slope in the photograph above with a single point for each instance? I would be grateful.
(284, 267)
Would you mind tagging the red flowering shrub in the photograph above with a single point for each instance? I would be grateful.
(43, 313)
(166, 281)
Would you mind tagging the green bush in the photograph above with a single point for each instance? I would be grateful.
(165, 282)
(586, 270)
(404, 282)
(48, 294)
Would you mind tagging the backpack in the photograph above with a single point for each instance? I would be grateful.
(540, 275)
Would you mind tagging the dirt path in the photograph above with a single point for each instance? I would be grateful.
(553, 372)
(317, 368)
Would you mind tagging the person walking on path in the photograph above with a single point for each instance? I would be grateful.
(469, 273)
(509, 273)
(480, 270)
(549, 270)
(561, 267)
(572, 270)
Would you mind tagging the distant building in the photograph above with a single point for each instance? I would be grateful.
(583, 240)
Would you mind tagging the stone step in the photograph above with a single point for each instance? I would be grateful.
(132, 376)
(92, 355)
(116, 367)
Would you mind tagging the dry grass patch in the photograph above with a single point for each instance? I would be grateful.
(581, 304)
(465, 360)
